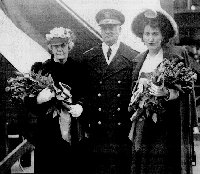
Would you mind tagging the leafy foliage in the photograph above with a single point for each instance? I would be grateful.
(28, 84)
(171, 74)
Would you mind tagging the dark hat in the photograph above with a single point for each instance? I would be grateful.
(161, 16)
(110, 16)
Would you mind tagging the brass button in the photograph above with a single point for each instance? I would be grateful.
(118, 109)
(118, 95)
(99, 95)
(99, 109)
(100, 82)
(119, 123)
(99, 122)
(119, 81)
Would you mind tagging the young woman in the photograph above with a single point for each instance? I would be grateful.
(161, 142)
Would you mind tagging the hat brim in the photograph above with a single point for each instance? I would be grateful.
(57, 40)
(172, 21)
(109, 22)
(137, 20)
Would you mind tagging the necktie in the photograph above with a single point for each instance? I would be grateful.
(109, 53)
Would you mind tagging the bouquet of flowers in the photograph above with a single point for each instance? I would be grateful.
(171, 74)
(28, 84)
(31, 84)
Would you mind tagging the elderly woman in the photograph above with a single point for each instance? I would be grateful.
(52, 145)
(161, 141)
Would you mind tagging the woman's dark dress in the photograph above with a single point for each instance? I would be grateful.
(164, 147)
(52, 153)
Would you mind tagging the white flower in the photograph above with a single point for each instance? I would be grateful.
(59, 32)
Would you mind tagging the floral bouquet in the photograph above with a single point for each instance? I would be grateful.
(171, 74)
(31, 84)
(28, 84)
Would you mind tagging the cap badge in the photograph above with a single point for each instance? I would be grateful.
(107, 15)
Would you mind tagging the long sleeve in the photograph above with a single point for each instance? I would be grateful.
(37, 109)
(194, 115)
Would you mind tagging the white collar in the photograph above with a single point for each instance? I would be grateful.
(151, 62)
(159, 55)
(114, 49)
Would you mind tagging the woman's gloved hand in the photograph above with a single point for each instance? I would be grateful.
(75, 110)
(195, 130)
(158, 91)
(45, 95)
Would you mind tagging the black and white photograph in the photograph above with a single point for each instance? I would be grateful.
(100, 86)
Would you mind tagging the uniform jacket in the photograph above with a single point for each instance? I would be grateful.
(108, 94)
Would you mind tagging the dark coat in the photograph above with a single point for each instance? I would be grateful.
(165, 147)
(106, 103)
(52, 153)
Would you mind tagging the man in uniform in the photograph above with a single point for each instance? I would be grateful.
(108, 68)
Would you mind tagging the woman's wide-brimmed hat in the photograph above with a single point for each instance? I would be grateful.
(137, 26)
(59, 35)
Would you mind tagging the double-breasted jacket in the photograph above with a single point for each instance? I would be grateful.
(108, 94)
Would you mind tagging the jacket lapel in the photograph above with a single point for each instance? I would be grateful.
(140, 60)
(98, 61)
(118, 63)
(166, 53)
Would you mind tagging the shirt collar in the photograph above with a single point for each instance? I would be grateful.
(113, 47)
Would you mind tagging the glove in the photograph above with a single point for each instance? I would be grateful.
(195, 130)
(45, 95)
(158, 91)
(76, 110)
